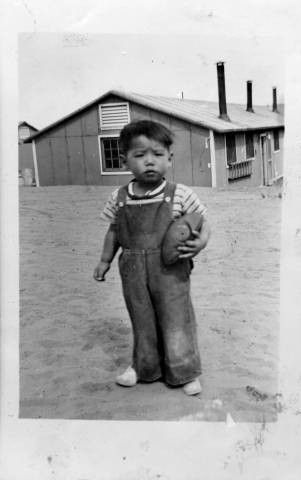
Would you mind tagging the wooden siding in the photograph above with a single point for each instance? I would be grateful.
(182, 158)
(201, 161)
(91, 155)
(73, 128)
(220, 160)
(61, 163)
(25, 156)
(89, 122)
(77, 160)
(68, 154)
(45, 163)
(140, 113)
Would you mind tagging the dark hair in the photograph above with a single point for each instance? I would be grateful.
(152, 130)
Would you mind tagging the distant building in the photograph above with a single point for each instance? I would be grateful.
(25, 150)
(216, 145)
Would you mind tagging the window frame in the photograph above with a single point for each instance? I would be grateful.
(227, 136)
(250, 133)
(103, 171)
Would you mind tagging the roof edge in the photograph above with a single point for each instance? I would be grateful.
(72, 114)
(23, 122)
(132, 97)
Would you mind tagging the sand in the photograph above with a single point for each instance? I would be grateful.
(75, 334)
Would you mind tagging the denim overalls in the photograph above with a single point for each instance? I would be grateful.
(157, 296)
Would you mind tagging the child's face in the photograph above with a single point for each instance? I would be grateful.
(148, 159)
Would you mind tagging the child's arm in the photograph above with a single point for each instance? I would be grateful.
(109, 251)
(200, 240)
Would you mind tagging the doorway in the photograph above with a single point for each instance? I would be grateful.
(266, 159)
(263, 150)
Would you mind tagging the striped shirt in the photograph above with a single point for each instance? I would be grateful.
(185, 201)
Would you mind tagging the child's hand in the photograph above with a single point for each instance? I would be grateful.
(101, 270)
(192, 247)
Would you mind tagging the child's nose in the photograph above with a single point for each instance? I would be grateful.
(149, 159)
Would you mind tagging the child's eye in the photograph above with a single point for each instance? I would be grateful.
(159, 154)
(138, 155)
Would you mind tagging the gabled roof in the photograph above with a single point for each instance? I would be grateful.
(197, 112)
(26, 124)
(206, 113)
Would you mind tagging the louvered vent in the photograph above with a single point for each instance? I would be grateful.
(114, 116)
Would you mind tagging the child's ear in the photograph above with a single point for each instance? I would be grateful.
(124, 161)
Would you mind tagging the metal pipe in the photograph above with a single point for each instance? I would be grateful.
(249, 96)
(275, 108)
(222, 91)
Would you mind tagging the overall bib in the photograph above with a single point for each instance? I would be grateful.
(157, 296)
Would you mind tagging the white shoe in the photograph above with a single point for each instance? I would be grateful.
(192, 388)
(128, 378)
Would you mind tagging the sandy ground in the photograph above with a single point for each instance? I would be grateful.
(75, 335)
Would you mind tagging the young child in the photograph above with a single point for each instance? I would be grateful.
(157, 296)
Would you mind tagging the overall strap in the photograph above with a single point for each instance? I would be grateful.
(121, 196)
(169, 191)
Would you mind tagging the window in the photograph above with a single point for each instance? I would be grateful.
(249, 145)
(240, 169)
(231, 148)
(110, 154)
(111, 163)
(276, 140)
(114, 116)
